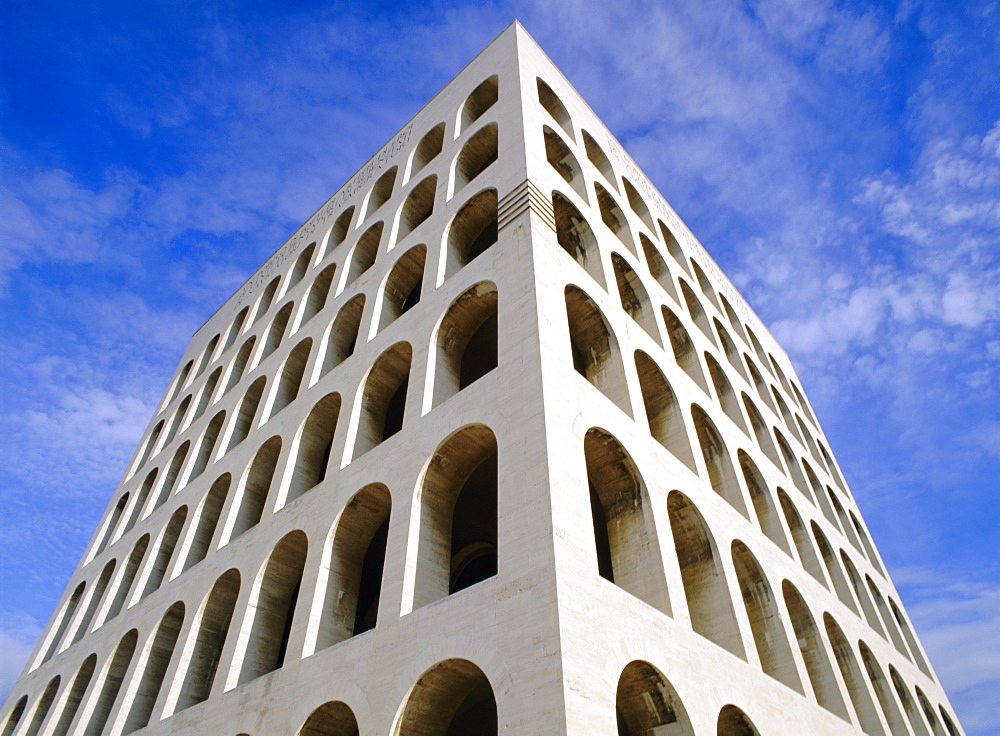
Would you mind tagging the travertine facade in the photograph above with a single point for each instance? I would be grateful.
(490, 444)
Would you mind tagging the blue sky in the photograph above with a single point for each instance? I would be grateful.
(840, 160)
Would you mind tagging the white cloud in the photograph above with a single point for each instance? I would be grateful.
(18, 634)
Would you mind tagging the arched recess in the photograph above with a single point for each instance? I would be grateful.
(452, 698)
(205, 652)
(887, 619)
(840, 585)
(383, 400)
(594, 348)
(810, 442)
(251, 498)
(301, 266)
(599, 159)
(561, 158)
(821, 498)
(175, 425)
(765, 618)
(313, 446)
(477, 155)
(467, 341)
(845, 522)
(759, 383)
(107, 533)
(235, 329)
(786, 413)
(832, 467)
(266, 298)
(473, 231)
(724, 390)
(273, 607)
(131, 567)
(554, 107)
(206, 393)
(94, 603)
(910, 638)
(276, 332)
(181, 380)
(356, 557)
(333, 718)
(208, 520)
(729, 348)
(247, 412)
(381, 192)
(718, 461)
(147, 450)
(909, 706)
(458, 515)
(634, 297)
(862, 595)
(165, 551)
(646, 703)
(69, 611)
(140, 499)
(170, 479)
(157, 660)
(897, 726)
(364, 253)
(684, 350)
(704, 284)
(114, 674)
(403, 285)
(705, 586)
(428, 148)
(292, 371)
(864, 707)
(734, 722)
(638, 204)
(42, 707)
(16, 714)
(483, 97)
(760, 431)
(71, 703)
(207, 446)
(663, 412)
(574, 235)
(794, 471)
(763, 503)
(811, 647)
(319, 292)
(867, 542)
(613, 217)
(759, 350)
(240, 363)
(734, 320)
(929, 714)
(628, 552)
(658, 267)
(343, 335)
(696, 310)
(780, 374)
(800, 535)
(673, 247)
(338, 233)
(418, 206)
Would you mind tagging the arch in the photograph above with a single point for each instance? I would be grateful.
(69, 610)
(113, 677)
(273, 607)
(704, 284)
(574, 235)
(807, 554)
(819, 494)
(235, 328)
(477, 155)
(810, 645)
(554, 107)
(170, 479)
(240, 363)
(81, 683)
(141, 498)
(759, 383)
(403, 285)
(206, 393)
(96, 598)
(897, 726)
(673, 247)
(428, 148)
(467, 341)
(658, 267)
(156, 662)
(561, 158)
(760, 432)
(887, 619)
(599, 159)
(208, 520)
(418, 206)
(836, 574)
(266, 298)
(613, 217)
(165, 551)
(929, 713)
(181, 380)
(301, 266)
(212, 625)
(458, 515)
(734, 722)
(911, 640)
(697, 311)
(276, 332)
(949, 724)
(734, 321)
(333, 718)
(763, 504)
(634, 297)
(794, 471)
(856, 688)
(381, 192)
(247, 411)
(16, 714)
(857, 584)
(663, 411)
(729, 348)
(319, 292)
(765, 619)
(383, 405)
(452, 698)
(628, 552)
(909, 706)
(207, 446)
(786, 413)
(42, 707)
(473, 231)
(638, 204)
(705, 586)
(483, 97)
(594, 348)
(780, 374)
(344, 333)
(364, 253)
(718, 461)
(129, 571)
(646, 703)
(252, 496)
(314, 446)
(724, 390)
(845, 523)
(809, 441)
(683, 349)
(342, 226)
(867, 542)
(150, 444)
(356, 557)
(179, 415)
(290, 380)
(116, 514)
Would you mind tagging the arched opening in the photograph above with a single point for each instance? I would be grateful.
(178, 420)
(314, 446)
(477, 155)
(929, 714)
(207, 446)
(467, 341)
(331, 719)
(116, 514)
(704, 284)
(673, 247)
(181, 380)
(64, 621)
(734, 321)
(897, 726)
(724, 390)
(909, 706)
(292, 371)
(458, 515)
(403, 285)
(76, 692)
(810, 442)
(634, 297)
(165, 551)
(794, 471)
(274, 607)
(845, 523)
(428, 148)
(594, 348)
(252, 497)
(276, 332)
(473, 231)
(247, 412)
(381, 192)
(765, 619)
(452, 698)
(343, 335)
(658, 267)
(15, 716)
(786, 414)
(867, 542)
(646, 703)
(718, 461)
(761, 355)
(140, 499)
(763, 504)
(206, 393)
(561, 158)
(170, 480)
(599, 159)
(833, 569)
(683, 348)
(319, 292)
(904, 626)
(240, 363)
(759, 384)
(734, 722)
(157, 661)
(729, 347)
(365, 251)
(696, 310)
(574, 235)
(554, 106)
(705, 587)
(613, 217)
(208, 520)
(780, 375)
(760, 431)
(113, 677)
(821, 498)
(482, 99)
(807, 554)
(135, 559)
(42, 707)
(638, 204)
(94, 603)
(235, 328)
(356, 560)
(803, 404)
(853, 679)
(887, 619)
(213, 628)
(150, 444)
(663, 412)
(419, 205)
(818, 667)
(628, 552)
(383, 401)
(342, 226)
(301, 266)
(266, 298)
